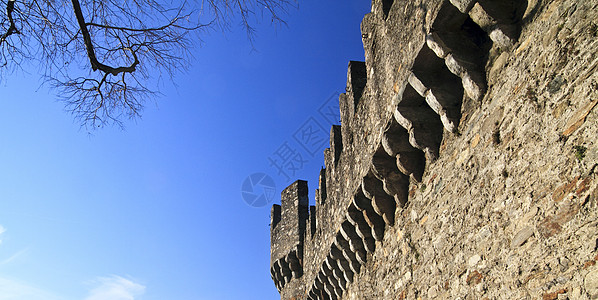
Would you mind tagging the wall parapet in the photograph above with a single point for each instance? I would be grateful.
(287, 233)
(399, 115)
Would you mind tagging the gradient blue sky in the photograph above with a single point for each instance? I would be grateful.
(155, 211)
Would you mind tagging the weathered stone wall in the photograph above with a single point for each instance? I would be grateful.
(465, 166)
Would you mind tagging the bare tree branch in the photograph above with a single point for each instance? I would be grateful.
(104, 56)
(95, 64)
(12, 29)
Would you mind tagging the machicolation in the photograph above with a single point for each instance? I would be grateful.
(456, 172)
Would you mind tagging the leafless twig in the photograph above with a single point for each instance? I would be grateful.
(102, 56)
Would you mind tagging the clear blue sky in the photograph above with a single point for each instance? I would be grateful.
(155, 211)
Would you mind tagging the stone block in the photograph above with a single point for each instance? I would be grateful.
(463, 5)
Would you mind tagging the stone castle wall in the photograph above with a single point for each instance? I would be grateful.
(465, 165)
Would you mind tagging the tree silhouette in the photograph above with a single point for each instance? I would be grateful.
(100, 55)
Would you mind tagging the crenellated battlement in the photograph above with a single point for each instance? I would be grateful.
(287, 233)
(415, 183)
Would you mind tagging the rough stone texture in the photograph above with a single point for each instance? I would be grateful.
(465, 166)
(288, 231)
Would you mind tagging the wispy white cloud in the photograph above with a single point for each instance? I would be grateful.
(14, 256)
(11, 289)
(115, 288)
(105, 288)
(14, 290)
